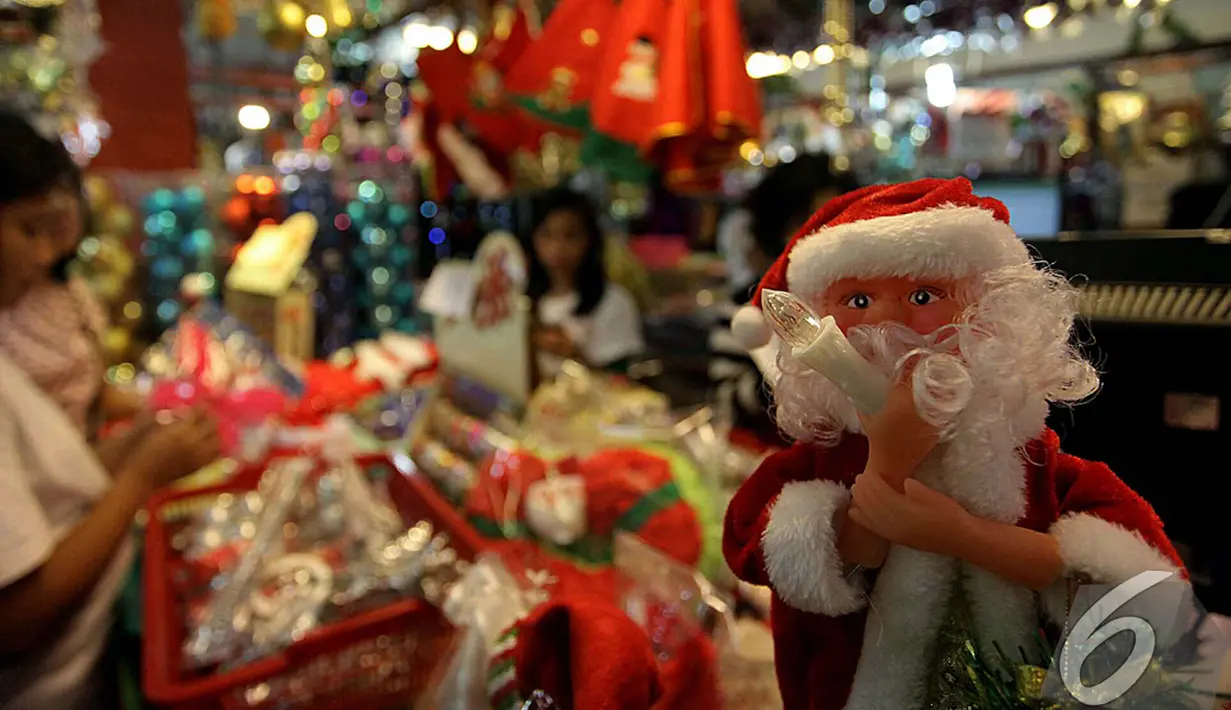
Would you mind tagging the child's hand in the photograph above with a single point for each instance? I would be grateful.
(920, 518)
(168, 452)
(556, 342)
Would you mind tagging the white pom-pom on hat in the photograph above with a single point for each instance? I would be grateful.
(750, 328)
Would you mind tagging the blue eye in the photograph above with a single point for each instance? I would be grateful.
(926, 296)
(859, 301)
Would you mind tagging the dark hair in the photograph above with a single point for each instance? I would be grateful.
(591, 280)
(783, 200)
(30, 164)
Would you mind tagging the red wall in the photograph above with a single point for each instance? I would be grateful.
(141, 81)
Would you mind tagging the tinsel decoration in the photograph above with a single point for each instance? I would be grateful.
(334, 300)
(384, 256)
(967, 679)
(46, 50)
(178, 242)
(106, 262)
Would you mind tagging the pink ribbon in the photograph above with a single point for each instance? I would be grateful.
(235, 411)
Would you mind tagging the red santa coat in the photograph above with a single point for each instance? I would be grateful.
(779, 532)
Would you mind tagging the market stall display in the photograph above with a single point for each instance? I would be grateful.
(329, 587)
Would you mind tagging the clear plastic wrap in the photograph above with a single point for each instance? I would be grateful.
(216, 638)
(484, 603)
(673, 603)
(312, 545)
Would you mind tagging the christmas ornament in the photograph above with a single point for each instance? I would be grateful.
(216, 19)
(281, 23)
(627, 90)
(385, 256)
(178, 242)
(554, 78)
(46, 50)
(495, 119)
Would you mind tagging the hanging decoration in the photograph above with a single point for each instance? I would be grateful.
(178, 242)
(105, 261)
(45, 56)
(554, 78)
(709, 106)
(448, 155)
(384, 256)
(627, 91)
(216, 19)
(495, 119)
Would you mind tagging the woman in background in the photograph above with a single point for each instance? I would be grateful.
(776, 208)
(65, 509)
(579, 314)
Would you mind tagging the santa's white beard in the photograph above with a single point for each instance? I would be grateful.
(984, 417)
(952, 389)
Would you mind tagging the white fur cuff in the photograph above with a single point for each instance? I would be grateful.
(801, 554)
(1105, 552)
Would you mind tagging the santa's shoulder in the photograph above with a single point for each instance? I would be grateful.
(1063, 480)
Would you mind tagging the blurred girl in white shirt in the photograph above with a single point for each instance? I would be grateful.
(579, 314)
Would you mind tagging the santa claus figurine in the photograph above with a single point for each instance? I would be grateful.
(947, 510)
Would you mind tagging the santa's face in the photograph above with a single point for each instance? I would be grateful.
(988, 354)
(923, 305)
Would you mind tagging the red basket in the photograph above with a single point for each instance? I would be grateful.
(383, 656)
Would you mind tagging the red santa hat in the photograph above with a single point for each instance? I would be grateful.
(929, 228)
(584, 653)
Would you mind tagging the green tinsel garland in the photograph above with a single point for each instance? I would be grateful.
(965, 679)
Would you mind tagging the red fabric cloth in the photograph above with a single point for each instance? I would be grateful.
(555, 76)
(707, 104)
(628, 87)
(588, 655)
(500, 125)
(877, 201)
(817, 655)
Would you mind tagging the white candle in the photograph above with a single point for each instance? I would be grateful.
(819, 344)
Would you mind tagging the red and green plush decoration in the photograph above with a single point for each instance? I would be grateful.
(581, 653)
(624, 489)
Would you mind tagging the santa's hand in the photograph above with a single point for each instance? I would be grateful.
(919, 518)
(898, 438)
